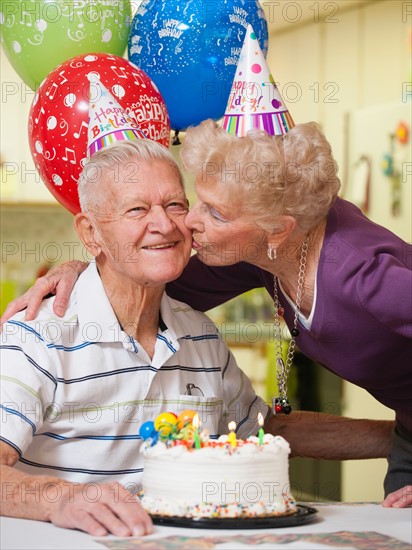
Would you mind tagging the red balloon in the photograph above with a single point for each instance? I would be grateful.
(60, 112)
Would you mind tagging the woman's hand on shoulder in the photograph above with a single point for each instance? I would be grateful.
(402, 498)
(59, 280)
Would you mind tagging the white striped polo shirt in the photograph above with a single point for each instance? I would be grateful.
(75, 390)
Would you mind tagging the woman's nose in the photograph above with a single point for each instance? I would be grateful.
(193, 219)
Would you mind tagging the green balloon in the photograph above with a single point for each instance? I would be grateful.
(38, 35)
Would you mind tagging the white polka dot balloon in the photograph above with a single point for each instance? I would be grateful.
(37, 35)
(58, 121)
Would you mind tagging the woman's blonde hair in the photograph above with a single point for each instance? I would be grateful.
(267, 176)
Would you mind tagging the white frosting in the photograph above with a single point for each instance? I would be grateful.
(247, 480)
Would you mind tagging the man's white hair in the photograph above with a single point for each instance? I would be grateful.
(108, 161)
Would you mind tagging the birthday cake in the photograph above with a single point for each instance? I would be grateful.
(188, 475)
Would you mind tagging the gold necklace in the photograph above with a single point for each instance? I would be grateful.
(280, 404)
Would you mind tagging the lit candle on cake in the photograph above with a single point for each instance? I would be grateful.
(231, 438)
(261, 432)
(204, 437)
(196, 424)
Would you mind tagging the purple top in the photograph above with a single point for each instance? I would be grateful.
(362, 323)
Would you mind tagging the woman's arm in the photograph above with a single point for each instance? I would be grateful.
(324, 436)
(200, 286)
(59, 280)
(204, 287)
(329, 437)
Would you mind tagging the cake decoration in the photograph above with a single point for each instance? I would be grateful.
(182, 429)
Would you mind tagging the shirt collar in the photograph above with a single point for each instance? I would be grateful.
(175, 318)
(98, 321)
(95, 314)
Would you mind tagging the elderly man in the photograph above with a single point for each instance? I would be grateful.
(76, 389)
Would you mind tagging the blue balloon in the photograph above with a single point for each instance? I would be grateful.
(147, 430)
(190, 50)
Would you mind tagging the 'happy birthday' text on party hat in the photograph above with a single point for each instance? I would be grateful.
(108, 121)
(255, 101)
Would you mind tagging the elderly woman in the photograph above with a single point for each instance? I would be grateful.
(76, 390)
(268, 216)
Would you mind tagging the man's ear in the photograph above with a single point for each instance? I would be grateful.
(285, 226)
(87, 234)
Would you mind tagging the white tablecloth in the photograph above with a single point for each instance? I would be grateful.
(359, 520)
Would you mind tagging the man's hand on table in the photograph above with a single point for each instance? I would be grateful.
(97, 509)
(100, 510)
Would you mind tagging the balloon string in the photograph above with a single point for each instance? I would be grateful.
(176, 140)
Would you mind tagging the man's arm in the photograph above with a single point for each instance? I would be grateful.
(67, 504)
(329, 437)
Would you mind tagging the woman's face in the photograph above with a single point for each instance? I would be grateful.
(221, 235)
(142, 224)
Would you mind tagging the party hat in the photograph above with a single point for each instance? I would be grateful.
(108, 121)
(255, 101)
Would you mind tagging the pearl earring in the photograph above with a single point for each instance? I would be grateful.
(272, 252)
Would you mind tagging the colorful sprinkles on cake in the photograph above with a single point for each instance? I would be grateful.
(255, 101)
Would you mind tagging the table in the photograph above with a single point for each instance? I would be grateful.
(353, 521)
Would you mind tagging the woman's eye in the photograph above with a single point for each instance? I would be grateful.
(216, 215)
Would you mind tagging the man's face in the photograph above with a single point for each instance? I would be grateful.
(142, 223)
